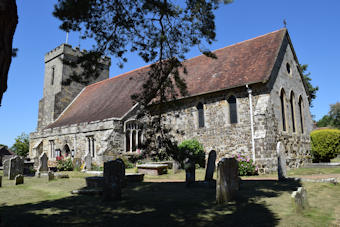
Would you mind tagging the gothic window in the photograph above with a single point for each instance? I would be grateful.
(288, 68)
(283, 111)
(52, 75)
(232, 109)
(292, 109)
(133, 136)
(127, 140)
(301, 113)
(52, 151)
(134, 140)
(91, 145)
(66, 151)
(200, 110)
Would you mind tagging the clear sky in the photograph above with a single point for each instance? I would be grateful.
(314, 27)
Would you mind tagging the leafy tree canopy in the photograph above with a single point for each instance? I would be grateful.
(332, 119)
(306, 76)
(21, 145)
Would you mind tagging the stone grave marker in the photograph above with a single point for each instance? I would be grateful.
(19, 179)
(16, 166)
(88, 162)
(0, 181)
(50, 176)
(175, 167)
(281, 162)
(6, 167)
(209, 173)
(190, 175)
(43, 163)
(228, 181)
(299, 199)
(112, 173)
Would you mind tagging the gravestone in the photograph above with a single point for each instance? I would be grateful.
(228, 181)
(209, 173)
(88, 162)
(189, 173)
(43, 163)
(50, 176)
(175, 167)
(19, 179)
(281, 162)
(299, 199)
(6, 167)
(113, 171)
(0, 181)
(16, 166)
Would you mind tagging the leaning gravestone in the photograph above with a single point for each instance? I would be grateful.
(227, 183)
(6, 167)
(88, 162)
(112, 173)
(209, 173)
(19, 179)
(43, 163)
(281, 162)
(16, 166)
(299, 199)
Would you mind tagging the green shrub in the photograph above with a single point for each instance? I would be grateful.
(192, 150)
(325, 144)
(95, 167)
(246, 166)
(64, 164)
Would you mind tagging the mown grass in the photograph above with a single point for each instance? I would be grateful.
(262, 202)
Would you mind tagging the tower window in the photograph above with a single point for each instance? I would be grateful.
(232, 109)
(283, 111)
(200, 115)
(52, 75)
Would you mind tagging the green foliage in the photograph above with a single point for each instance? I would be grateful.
(95, 167)
(65, 164)
(325, 144)
(332, 119)
(306, 76)
(191, 150)
(21, 145)
(246, 166)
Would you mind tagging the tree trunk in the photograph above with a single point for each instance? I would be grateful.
(8, 24)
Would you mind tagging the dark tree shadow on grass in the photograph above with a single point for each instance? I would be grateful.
(154, 204)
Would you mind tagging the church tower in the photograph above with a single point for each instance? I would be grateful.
(56, 96)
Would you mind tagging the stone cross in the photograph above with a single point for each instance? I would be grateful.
(299, 199)
(16, 166)
(43, 163)
(88, 162)
(19, 179)
(209, 173)
(281, 162)
(6, 167)
(228, 181)
(113, 171)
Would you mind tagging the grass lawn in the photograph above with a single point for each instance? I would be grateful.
(261, 202)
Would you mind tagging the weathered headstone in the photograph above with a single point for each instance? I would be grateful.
(299, 199)
(0, 181)
(19, 179)
(43, 163)
(189, 172)
(209, 173)
(16, 166)
(175, 167)
(281, 162)
(50, 176)
(227, 183)
(6, 167)
(112, 173)
(88, 162)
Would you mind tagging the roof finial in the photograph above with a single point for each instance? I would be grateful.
(285, 23)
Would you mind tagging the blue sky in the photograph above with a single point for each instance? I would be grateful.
(314, 27)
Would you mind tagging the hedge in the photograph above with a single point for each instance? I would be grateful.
(325, 144)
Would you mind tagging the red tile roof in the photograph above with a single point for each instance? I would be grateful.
(247, 62)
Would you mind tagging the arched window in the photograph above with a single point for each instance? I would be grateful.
(134, 140)
(66, 150)
(283, 111)
(200, 115)
(127, 140)
(292, 109)
(232, 109)
(301, 113)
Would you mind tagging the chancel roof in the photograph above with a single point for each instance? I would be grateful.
(247, 62)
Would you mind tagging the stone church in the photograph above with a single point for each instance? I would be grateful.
(244, 102)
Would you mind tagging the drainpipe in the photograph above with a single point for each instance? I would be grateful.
(251, 121)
